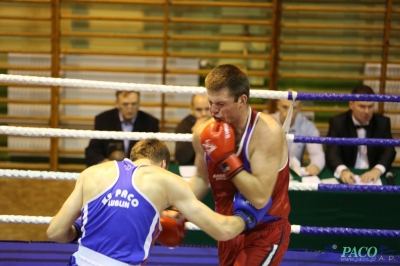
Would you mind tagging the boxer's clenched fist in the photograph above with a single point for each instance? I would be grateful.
(173, 228)
(218, 141)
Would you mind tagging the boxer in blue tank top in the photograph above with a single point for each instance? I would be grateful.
(119, 204)
(116, 206)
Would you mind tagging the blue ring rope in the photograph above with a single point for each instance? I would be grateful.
(344, 97)
(358, 188)
(342, 231)
(347, 141)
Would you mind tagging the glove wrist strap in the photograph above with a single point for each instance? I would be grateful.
(248, 219)
(231, 166)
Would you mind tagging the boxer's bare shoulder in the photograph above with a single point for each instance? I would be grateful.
(97, 178)
(268, 123)
(269, 136)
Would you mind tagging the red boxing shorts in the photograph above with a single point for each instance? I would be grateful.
(264, 245)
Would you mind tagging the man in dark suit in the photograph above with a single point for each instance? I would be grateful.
(360, 122)
(125, 117)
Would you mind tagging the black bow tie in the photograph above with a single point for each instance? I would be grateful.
(364, 127)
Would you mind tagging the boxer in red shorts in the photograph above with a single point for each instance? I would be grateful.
(240, 149)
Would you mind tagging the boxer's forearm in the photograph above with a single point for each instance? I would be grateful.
(198, 186)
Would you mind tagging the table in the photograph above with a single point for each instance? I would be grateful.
(332, 209)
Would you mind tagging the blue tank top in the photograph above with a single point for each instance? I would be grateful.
(121, 222)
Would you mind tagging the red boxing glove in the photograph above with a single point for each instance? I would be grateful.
(218, 141)
(173, 229)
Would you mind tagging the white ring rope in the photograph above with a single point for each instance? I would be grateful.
(80, 83)
(38, 174)
(23, 219)
(295, 229)
(73, 176)
(93, 134)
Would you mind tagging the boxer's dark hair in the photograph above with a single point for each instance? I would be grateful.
(153, 149)
(230, 77)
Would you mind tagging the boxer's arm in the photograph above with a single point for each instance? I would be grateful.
(61, 227)
(218, 226)
(268, 154)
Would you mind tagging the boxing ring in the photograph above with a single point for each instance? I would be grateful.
(40, 253)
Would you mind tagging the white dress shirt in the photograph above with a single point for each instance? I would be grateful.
(126, 127)
(362, 157)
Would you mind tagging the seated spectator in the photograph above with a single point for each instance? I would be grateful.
(360, 122)
(301, 126)
(118, 154)
(199, 112)
(125, 117)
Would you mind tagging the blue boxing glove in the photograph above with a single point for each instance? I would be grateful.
(251, 215)
(78, 225)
